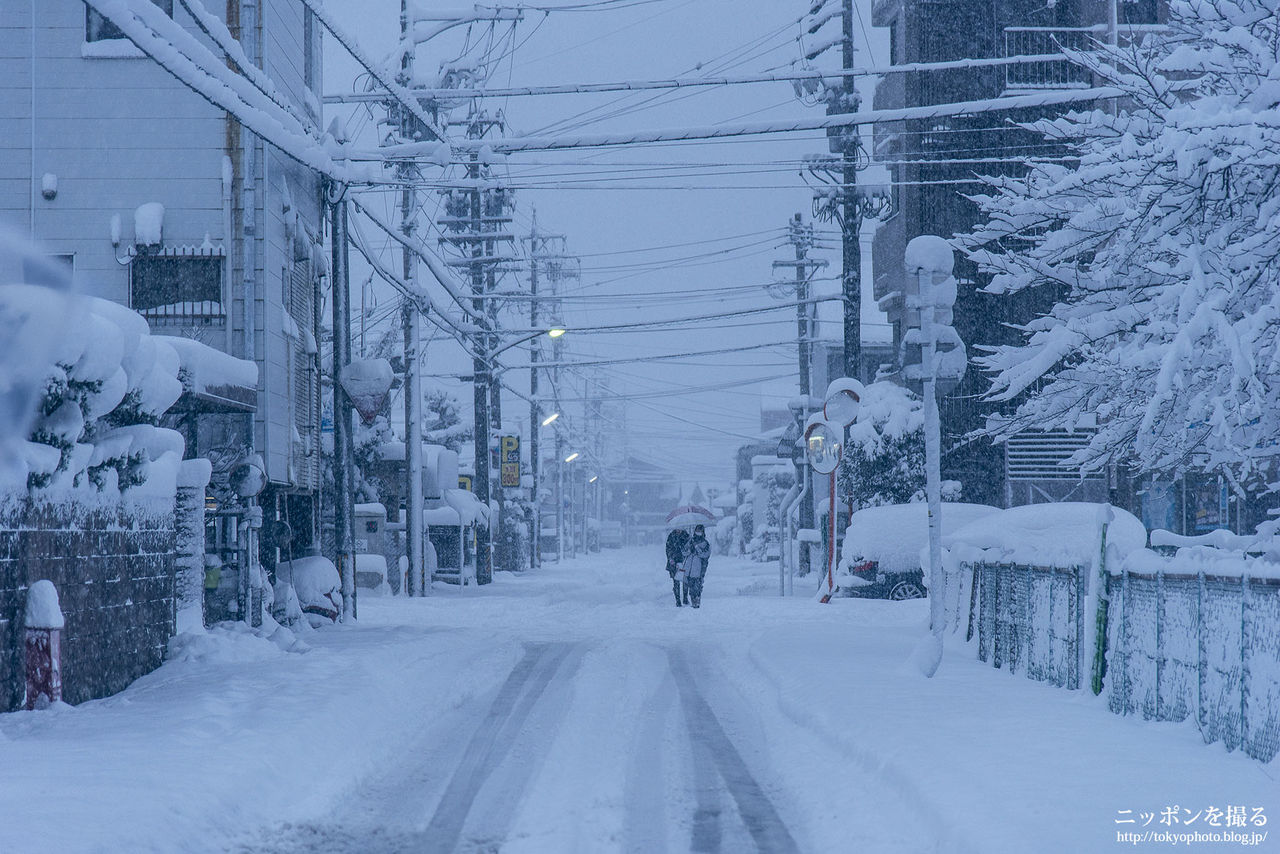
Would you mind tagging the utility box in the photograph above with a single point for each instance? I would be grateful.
(370, 529)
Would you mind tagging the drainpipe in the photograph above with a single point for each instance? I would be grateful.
(788, 501)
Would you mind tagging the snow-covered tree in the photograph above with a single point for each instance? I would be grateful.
(1160, 248)
(442, 420)
(884, 458)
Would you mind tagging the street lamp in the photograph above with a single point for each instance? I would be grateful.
(546, 422)
(572, 457)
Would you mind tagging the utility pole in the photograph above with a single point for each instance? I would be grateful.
(801, 238)
(343, 462)
(535, 411)
(416, 581)
(851, 215)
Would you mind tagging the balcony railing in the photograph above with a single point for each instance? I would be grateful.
(1050, 74)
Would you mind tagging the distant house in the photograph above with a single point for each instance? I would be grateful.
(160, 201)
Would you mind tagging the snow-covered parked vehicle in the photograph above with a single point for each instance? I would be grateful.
(315, 580)
(882, 545)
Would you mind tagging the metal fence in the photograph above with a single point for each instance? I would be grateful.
(1178, 645)
(1029, 619)
(1200, 645)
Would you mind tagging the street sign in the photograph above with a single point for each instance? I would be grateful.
(509, 461)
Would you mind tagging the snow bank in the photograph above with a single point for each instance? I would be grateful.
(43, 611)
(894, 535)
(1062, 534)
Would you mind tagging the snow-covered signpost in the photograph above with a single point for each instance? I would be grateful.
(931, 260)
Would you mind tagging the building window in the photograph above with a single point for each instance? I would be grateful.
(52, 271)
(98, 28)
(181, 288)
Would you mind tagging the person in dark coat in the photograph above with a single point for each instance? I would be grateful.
(676, 541)
(697, 553)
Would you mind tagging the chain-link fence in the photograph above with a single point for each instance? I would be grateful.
(1029, 619)
(1203, 645)
(1178, 644)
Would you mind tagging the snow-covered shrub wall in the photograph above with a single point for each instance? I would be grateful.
(95, 430)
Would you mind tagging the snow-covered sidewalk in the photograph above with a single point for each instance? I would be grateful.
(575, 709)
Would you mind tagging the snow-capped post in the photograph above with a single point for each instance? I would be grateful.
(824, 444)
(189, 524)
(43, 623)
(931, 260)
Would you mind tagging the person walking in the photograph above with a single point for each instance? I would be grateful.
(676, 542)
(697, 553)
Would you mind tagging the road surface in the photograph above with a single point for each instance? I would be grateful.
(620, 723)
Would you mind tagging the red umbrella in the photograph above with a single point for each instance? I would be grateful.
(689, 514)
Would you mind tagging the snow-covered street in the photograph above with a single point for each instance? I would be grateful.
(576, 709)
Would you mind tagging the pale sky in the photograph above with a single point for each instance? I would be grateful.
(655, 228)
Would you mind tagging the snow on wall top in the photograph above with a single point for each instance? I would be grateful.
(1061, 534)
(931, 254)
(207, 367)
(43, 611)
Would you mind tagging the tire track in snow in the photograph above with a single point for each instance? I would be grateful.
(490, 745)
(758, 814)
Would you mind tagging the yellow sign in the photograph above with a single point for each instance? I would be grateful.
(509, 458)
(464, 482)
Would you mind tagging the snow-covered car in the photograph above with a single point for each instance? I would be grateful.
(882, 545)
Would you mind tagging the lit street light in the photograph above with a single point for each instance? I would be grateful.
(546, 422)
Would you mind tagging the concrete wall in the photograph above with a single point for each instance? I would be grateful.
(113, 566)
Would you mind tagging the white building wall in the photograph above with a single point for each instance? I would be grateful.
(122, 132)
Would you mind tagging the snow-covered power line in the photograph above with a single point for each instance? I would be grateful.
(695, 82)
(602, 140)
(195, 66)
(438, 270)
(396, 91)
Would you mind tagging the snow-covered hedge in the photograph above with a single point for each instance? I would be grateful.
(107, 384)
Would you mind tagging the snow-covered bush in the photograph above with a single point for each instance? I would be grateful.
(1160, 248)
(773, 483)
(884, 459)
(104, 392)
